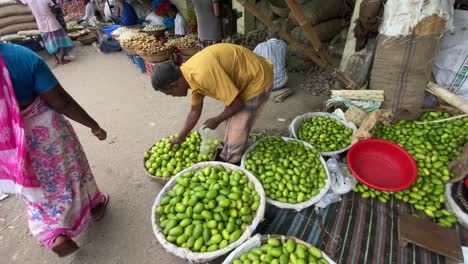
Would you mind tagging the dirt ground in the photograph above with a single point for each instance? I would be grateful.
(121, 99)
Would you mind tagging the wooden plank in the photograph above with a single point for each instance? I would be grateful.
(448, 97)
(308, 29)
(428, 235)
(374, 95)
(347, 82)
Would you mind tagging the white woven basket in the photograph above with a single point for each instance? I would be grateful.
(257, 240)
(453, 207)
(297, 122)
(204, 257)
(298, 206)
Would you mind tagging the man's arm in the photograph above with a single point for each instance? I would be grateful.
(235, 107)
(191, 121)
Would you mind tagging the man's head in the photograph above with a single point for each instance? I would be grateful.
(172, 11)
(272, 34)
(167, 78)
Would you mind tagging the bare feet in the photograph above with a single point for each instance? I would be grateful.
(97, 212)
(64, 246)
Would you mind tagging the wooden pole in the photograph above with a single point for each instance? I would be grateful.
(308, 29)
(347, 82)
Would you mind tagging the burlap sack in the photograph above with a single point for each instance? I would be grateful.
(318, 11)
(7, 3)
(460, 165)
(368, 22)
(325, 31)
(366, 130)
(18, 27)
(402, 68)
(14, 10)
(13, 20)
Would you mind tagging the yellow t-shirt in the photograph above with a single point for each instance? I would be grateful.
(224, 71)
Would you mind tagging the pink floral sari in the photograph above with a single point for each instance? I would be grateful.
(42, 160)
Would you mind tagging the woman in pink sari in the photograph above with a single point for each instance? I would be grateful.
(41, 158)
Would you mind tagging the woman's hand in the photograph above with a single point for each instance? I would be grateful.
(100, 133)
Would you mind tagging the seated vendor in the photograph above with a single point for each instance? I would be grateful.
(230, 73)
(154, 18)
(127, 15)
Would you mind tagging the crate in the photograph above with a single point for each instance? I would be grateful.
(149, 66)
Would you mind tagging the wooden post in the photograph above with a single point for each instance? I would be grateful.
(347, 82)
(308, 29)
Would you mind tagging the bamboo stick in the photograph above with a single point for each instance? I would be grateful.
(448, 97)
(308, 29)
(347, 82)
(374, 95)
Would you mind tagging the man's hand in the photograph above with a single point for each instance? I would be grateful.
(212, 123)
(178, 140)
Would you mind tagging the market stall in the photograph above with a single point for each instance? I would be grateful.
(359, 185)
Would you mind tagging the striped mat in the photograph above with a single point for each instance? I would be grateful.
(355, 230)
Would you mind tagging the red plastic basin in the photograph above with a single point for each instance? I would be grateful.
(382, 165)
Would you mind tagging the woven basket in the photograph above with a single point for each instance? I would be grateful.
(129, 50)
(278, 7)
(88, 39)
(158, 57)
(155, 33)
(190, 51)
(199, 257)
(259, 239)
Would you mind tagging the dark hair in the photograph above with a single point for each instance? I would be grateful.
(173, 8)
(97, 13)
(272, 34)
(164, 74)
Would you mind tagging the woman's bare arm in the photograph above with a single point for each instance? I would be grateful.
(59, 100)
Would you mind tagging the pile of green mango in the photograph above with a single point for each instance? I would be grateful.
(166, 160)
(433, 146)
(325, 133)
(208, 209)
(276, 252)
(289, 171)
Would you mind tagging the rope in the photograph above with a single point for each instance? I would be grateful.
(442, 120)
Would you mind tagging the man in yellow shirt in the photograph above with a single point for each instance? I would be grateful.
(230, 73)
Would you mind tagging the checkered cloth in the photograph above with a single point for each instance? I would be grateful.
(239, 126)
(56, 40)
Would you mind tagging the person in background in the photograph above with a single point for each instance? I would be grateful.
(59, 15)
(126, 14)
(108, 5)
(153, 18)
(180, 26)
(90, 9)
(162, 10)
(276, 51)
(208, 21)
(55, 39)
(97, 19)
(41, 159)
(230, 73)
